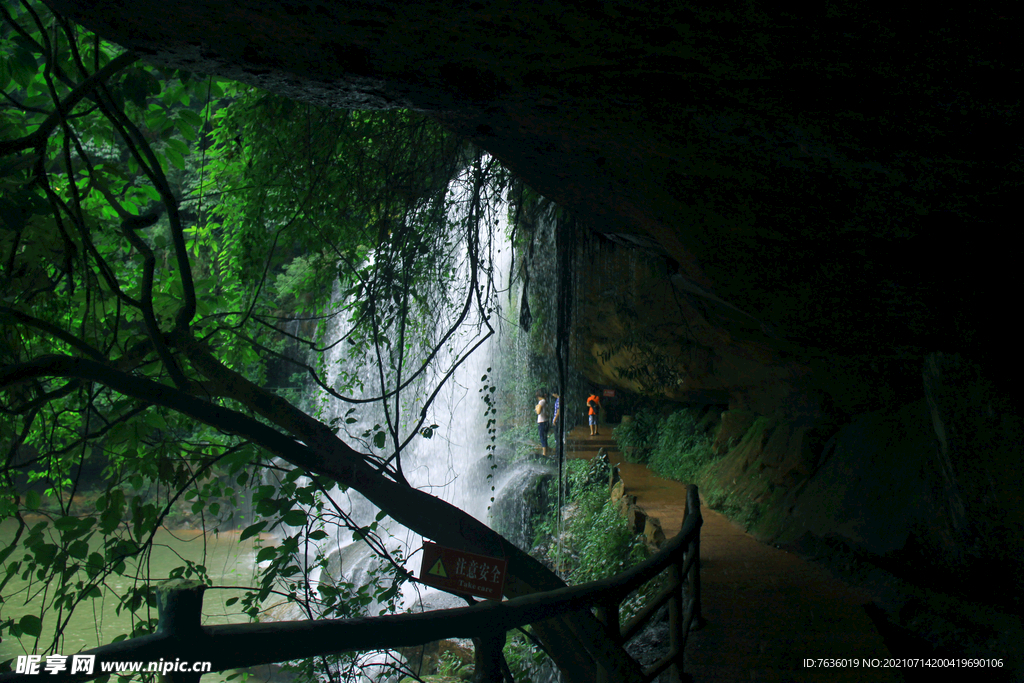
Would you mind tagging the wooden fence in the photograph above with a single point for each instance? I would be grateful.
(180, 634)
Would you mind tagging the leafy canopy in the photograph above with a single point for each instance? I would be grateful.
(169, 245)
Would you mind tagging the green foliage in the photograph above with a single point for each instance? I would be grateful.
(602, 543)
(159, 233)
(638, 438)
(672, 447)
(524, 659)
(682, 453)
(448, 664)
(598, 542)
(736, 506)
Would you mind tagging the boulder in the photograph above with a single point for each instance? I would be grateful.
(873, 487)
(654, 536)
(637, 519)
(618, 490)
(735, 424)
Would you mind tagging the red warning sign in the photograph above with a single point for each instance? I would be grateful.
(462, 572)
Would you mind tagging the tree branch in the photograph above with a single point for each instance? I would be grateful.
(66, 105)
(52, 330)
(153, 327)
(320, 452)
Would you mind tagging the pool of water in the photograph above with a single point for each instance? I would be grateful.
(95, 622)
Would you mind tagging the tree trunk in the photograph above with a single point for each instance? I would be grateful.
(574, 641)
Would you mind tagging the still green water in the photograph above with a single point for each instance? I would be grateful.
(96, 622)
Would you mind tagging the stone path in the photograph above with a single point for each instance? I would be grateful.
(767, 610)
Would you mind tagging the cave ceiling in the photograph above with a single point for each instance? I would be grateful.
(845, 173)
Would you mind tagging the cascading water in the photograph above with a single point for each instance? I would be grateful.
(454, 463)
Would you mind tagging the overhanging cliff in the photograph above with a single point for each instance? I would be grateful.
(829, 190)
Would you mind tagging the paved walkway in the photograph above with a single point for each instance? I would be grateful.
(767, 610)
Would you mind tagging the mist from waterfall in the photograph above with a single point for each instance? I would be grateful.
(477, 385)
(453, 463)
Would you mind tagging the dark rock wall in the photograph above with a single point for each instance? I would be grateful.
(912, 459)
(881, 487)
(873, 484)
(839, 174)
(832, 191)
(979, 455)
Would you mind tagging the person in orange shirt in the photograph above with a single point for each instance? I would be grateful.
(593, 409)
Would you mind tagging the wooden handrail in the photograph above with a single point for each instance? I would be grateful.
(684, 614)
(235, 646)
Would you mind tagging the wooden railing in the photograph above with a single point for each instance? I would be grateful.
(681, 559)
(180, 635)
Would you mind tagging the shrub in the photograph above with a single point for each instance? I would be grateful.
(601, 539)
(638, 438)
(681, 452)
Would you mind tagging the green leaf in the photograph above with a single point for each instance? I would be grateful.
(23, 68)
(78, 549)
(251, 531)
(182, 148)
(186, 129)
(94, 564)
(294, 518)
(267, 506)
(193, 118)
(32, 500)
(379, 439)
(31, 624)
(156, 120)
(173, 156)
(153, 194)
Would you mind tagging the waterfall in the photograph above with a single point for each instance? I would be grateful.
(501, 484)
(453, 463)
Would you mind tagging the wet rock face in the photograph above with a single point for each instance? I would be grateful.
(830, 192)
(873, 485)
(884, 486)
(797, 167)
(979, 444)
(734, 426)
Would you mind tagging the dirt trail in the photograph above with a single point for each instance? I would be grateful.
(767, 610)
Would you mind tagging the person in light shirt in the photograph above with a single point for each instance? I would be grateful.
(542, 420)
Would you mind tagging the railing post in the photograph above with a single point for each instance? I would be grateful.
(608, 615)
(487, 658)
(180, 608)
(675, 620)
(693, 585)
